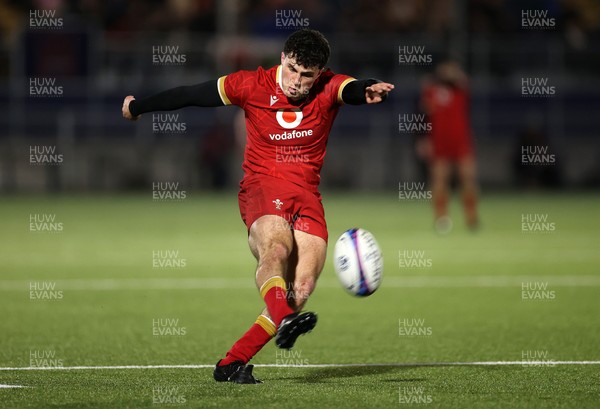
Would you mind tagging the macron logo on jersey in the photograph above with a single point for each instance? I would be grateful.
(273, 100)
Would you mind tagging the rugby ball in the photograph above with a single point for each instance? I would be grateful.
(358, 262)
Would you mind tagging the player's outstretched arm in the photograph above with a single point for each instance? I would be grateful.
(205, 94)
(369, 91)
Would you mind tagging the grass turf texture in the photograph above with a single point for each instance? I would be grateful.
(114, 237)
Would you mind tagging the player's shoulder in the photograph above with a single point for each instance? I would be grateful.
(329, 85)
(242, 74)
(260, 75)
(329, 79)
(266, 76)
(267, 72)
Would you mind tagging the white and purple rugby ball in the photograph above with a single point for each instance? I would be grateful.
(358, 262)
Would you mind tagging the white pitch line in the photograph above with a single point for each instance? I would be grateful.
(393, 364)
(390, 281)
(11, 386)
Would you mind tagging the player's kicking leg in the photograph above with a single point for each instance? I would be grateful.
(272, 242)
(306, 264)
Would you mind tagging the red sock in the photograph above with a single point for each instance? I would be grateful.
(275, 295)
(251, 342)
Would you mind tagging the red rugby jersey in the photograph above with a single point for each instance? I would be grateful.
(285, 139)
(448, 109)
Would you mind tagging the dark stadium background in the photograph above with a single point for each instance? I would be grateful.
(103, 50)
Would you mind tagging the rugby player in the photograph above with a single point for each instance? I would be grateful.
(288, 108)
(445, 99)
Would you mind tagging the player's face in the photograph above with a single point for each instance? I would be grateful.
(297, 80)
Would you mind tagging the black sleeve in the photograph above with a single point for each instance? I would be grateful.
(354, 92)
(200, 95)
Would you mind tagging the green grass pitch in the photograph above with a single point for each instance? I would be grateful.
(131, 281)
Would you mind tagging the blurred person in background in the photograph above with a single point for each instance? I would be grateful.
(445, 100)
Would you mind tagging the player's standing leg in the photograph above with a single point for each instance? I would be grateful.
(440, 192)
(467, 174)
(271, 242)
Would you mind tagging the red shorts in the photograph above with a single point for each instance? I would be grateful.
(452, 149)
(262, 195)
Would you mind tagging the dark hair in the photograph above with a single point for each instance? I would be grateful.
(309, 47)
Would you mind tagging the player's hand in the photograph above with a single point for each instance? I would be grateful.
(377, 92)
(125, 109)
